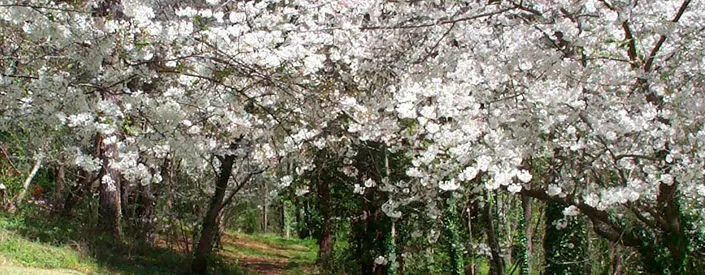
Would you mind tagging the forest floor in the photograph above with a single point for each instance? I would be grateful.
(34, 246)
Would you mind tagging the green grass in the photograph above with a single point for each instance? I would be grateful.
(34, 242)
(39, 240)
(17, 251)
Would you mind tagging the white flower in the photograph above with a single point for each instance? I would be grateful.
(285, 181)
(302, 191)
(108, 180)
(667, 179)
(524, 176)
(554, 190)
(491, 184)
(313, 63)
(380, 260)
(110, 140)
(319, 143)
(483, 162)
(561, 224)
(432, 127)
(359, 189)
(468, 173)
(370, 183)
(591, 199)
(571, 211)
(450, 185)
(514, 188)
(390, 209)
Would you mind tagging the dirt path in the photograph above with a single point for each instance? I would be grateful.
(262, 265)
(261, 256)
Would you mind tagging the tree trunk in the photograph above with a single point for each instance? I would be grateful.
(210, 222)
(109, 210)
(497, 262)
(285, 221)
(325, 242)
(145, 213)
(25, 186)
(675, 239)
(59, 178)
(615, 259)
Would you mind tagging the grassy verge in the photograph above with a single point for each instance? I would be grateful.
(41, 243)
(17, 252)
(40, 240)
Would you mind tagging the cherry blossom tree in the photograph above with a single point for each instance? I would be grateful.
(593, 104)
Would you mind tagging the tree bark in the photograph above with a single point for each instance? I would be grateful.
(325, 242)
(59, 178)
(145, 213)
(497, 262)
(25, 185)
(210, 222)
(109, 205)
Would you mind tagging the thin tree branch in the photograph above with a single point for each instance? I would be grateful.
(438, 23)
(662, 39)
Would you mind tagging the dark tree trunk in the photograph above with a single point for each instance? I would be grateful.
(497, 262)
(59, 179)
(145, 213)
(210, 222)
(675, 239)
(109, 211)
(325, 242)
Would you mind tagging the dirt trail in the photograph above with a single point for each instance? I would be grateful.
(261, 257)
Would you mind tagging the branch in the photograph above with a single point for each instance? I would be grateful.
(631, 42)
(37, 7)
(25, 186)
(20, 76)
(441, 22)
(662, 39)
(238, 187)
(603, 225)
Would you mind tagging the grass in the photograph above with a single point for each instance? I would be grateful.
(34, 242)
(18, 252)
(39, 240)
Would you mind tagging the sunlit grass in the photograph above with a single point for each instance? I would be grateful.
(18, 251)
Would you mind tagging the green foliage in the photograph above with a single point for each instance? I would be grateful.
(522, 245)
(454, 246)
